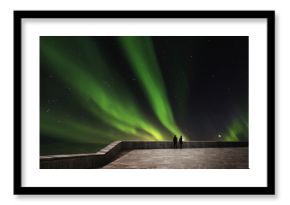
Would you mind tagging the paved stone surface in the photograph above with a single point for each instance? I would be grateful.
(196, 158)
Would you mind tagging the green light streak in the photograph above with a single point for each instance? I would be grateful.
(71, 129)
(114, 106)
(140, 52)
(238, 130)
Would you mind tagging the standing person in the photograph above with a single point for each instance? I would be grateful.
(180, 142)
(174, 142)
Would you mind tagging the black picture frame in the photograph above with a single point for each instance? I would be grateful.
(269, 189)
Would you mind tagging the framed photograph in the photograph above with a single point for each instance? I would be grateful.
(144, 102)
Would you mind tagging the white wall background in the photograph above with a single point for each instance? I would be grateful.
(282, 98)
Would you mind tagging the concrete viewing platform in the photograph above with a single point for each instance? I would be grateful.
(156, 155)
(198, 158)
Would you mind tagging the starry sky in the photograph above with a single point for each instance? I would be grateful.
(95, 90)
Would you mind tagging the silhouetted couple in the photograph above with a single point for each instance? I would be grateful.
(175, 142)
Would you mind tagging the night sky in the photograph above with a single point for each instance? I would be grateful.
(95, 90)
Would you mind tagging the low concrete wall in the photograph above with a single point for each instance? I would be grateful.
(82, 161)
(107, 154)
(188, 144)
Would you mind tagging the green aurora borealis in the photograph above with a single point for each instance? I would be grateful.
(95, 90)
